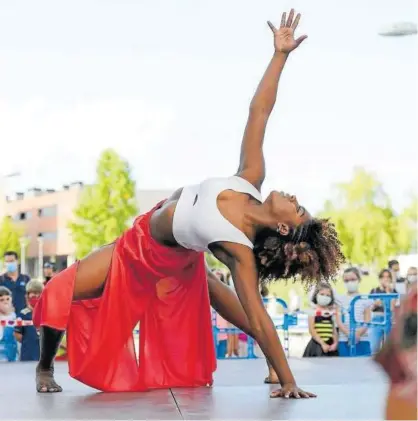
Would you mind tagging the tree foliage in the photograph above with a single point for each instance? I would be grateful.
(369, 229)
(107, 207)
(10, 235)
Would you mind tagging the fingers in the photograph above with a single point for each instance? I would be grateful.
(295, 393)
(295, 24)
(276, 394)
(283, 22)
(271, 26)
(301, 39)
(290, 18)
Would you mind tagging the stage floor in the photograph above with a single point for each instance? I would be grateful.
(347, 389)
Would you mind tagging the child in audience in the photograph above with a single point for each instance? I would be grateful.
(362, 313)
(322, 328)
(28, 336)
(8, 345)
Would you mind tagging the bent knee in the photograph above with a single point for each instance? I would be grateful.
(92, 273)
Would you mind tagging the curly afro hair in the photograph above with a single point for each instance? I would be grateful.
(311, 252)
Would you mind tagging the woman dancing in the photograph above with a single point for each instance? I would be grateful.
(155, 273)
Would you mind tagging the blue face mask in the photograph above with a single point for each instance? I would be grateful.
(11, 267)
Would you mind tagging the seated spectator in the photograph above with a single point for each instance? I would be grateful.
(376, 333)
(28, 336)
(322, 327)
(8, 345)
(362, 313)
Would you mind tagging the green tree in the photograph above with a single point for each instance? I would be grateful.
(10, 235)
(364, 218)
(107, 207)
(406, 227)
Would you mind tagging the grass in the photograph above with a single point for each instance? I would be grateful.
(281, 289)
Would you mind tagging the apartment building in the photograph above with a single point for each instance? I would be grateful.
(44, 214)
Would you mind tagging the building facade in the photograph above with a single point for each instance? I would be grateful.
(44, 215)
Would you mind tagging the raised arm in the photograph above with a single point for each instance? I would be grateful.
(252, 165)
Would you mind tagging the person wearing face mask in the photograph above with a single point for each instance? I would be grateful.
(376, 333)
(399, 283)
(49, 271)
(322, 328)
(8, 346)
(411, 277)
(362, 313)
(28, 336)
(14, 280)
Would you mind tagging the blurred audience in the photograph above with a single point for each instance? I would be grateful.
(324, 337)
(399, 283)
(49, 271)
(28, 336)
(14, 280)
(411, 276)
(362, 313)
(8, 345)
(377, 333)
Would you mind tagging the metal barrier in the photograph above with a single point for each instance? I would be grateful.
(386, 324)
(282, 322)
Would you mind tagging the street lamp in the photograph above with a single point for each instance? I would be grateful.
(40, 258)
(23, 244)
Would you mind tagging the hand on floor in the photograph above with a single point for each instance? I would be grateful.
(291, 391)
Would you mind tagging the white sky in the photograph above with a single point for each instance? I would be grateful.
(168, 84)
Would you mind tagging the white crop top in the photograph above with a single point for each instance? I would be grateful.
(197, 221)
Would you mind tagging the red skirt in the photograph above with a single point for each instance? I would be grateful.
(163, 288)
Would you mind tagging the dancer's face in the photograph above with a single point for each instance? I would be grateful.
(287, 210)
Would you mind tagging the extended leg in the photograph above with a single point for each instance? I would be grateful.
(89, 283)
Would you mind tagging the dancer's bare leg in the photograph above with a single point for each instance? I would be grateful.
(90, 279)
(272, 377)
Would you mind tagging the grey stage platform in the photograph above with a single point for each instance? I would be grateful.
(349, 388)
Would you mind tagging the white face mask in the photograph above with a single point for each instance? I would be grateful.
(323, 300)
(400, 287)
(352, 286)
(398, 274)
(412, 278)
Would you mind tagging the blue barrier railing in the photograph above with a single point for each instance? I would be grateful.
(386, 300)
(283, 323)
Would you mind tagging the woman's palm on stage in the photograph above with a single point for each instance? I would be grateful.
(284, 37)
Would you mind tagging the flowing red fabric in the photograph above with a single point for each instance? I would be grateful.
(163, 288)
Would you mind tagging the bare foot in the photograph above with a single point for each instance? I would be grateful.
(45, 382)
(272, 378)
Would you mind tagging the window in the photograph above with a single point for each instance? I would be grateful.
(49, 235)
(48, 211)
(23, 216)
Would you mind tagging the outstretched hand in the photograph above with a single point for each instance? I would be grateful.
(284, 39)
(291, 391)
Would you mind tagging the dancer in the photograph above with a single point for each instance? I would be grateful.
(155, 273)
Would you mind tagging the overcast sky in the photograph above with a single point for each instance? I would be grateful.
(168, 84)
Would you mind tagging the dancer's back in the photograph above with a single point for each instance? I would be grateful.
(198, 216)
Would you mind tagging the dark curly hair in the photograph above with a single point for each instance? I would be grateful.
(311, 252)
